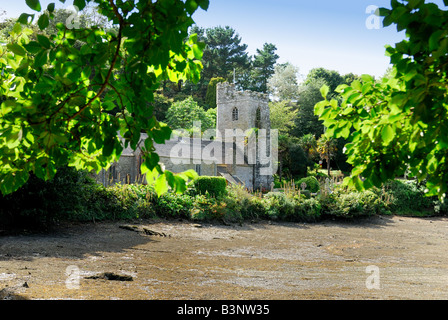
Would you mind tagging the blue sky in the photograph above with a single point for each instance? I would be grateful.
(309, 34)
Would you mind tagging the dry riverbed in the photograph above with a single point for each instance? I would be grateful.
(374, 258)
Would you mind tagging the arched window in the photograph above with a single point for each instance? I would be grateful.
(258, 119)
(235, 114)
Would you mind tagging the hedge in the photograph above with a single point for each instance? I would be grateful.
(214, 186)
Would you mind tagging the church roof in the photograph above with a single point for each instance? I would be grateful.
(184, 146)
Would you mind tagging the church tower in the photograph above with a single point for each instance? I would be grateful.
(238, 113)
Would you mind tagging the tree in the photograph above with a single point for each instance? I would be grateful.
(308, 143)
(223, 53)
(327, 148)
(306, 121)
(332, 78)
(87, 18)
(160, 106)
(210, 98)
(263, 67)
(59, 98)
(400, 123)
(182, 114)
(283, 84)
(298, 160)
(282, 115)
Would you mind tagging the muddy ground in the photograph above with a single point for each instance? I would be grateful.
(375, 258)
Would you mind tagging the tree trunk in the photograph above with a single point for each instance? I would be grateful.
(280, 169)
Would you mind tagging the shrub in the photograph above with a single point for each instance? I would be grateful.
(308, 210)
(299, 160)
(134, 201)
(100, 203)
(173, 205)
(350, 204)
(306, 193)
(208, 208)
(312, 184)
(407, 197)
(240, 204)
(214, 186)
(39, 203)
(291, 208)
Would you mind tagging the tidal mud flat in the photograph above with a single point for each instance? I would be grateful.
(374, 258)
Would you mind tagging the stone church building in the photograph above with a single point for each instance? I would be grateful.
(242, 149)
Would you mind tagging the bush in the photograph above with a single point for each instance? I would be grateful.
(73, 196)
(291, 208)
(308, 210)
(214, 186)
(39, 204)
(312, 184)
(279, 206)
(208, 208)
(299, 160)
(351, 204)
(407, 197)
(172, 205)
(241, 205)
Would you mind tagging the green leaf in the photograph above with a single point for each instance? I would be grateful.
(108, 147)
(366, 88)
(357, 182)
(24, 18)
(319, 107)
(81, 4)
(434, 39)
(345, 132)
(34, 4)
(43, 21)
(387, 134)
(44, 41)
(415, 3)
(325, 114)
(17, 29)
(11, 182)
(191, 6)
(197, 52)
(367, 78)
(384, 12)
(160, 185)
(7, 106)
(50, 7)
(324, 91)
(162, 134)
(387, 21)
(33, 47)
(203, 4)
(356, 84)
(16, 49)
(352, 98)
(41, 59)
(144, 168)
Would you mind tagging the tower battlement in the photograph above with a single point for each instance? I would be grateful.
(226, 92)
